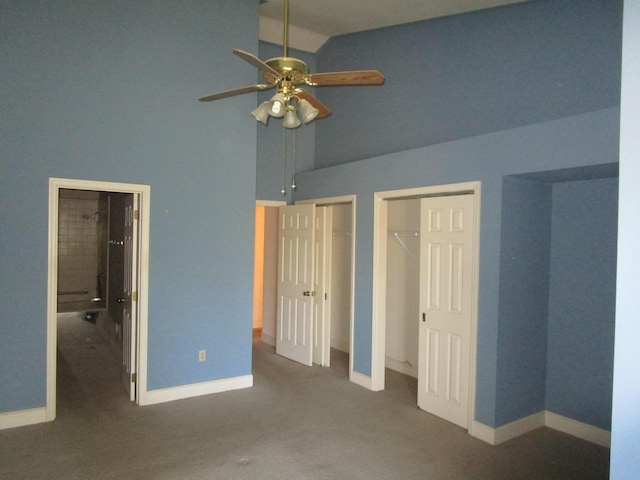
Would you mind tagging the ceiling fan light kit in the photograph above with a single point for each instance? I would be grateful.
(285, 74)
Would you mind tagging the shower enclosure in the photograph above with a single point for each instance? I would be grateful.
(83, 229)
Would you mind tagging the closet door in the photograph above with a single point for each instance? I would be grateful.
(446, 264)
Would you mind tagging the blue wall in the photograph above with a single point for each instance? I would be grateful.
(582, 300)
(471, 74)
(107, 91)
(523, 298)
(531, 87)
(557, 295)
(588, 139)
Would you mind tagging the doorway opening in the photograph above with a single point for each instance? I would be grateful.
(399, 266)
(265, 271)
(98, 274)
(333, 312)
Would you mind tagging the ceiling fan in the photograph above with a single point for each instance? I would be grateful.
(286, 74)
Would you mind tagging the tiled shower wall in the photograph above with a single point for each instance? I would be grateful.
(82, 250)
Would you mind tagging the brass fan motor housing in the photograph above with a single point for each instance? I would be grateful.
(292, 70)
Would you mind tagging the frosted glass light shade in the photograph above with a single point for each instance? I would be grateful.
(262, 112)
(307, 111)
(291, 120)
(277, 106)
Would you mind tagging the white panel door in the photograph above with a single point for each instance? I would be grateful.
(294, 335)
(446, 263)
(129, 300)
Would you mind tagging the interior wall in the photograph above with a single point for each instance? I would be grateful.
(557, 296)
(525, 88)
(572, 142)
(258, 268)
(582, 292)
(341, 246)
(523, 297)
(270, 283)
(111, 91)
(470, 74)
(403, 286)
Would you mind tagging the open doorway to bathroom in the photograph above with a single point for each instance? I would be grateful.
(91, 294)
(97, 298)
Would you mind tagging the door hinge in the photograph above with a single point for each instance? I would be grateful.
(136, 214)
(134, 378)
(134, 296)
(325, 295)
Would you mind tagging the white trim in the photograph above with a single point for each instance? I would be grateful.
(482, 432)
(360, 379)
(197, 389)
(518, 427)
(144, 192)
(379, 302)
(379, 293)
(496, 436)
(268, 339)
(270, 203)
(22, 418)
(587, 432)
(339, 345)
(402, 367)
(345, 199)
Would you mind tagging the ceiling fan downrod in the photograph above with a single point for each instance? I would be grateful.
(285, 28)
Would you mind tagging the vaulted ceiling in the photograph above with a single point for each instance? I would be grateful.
(313, 22)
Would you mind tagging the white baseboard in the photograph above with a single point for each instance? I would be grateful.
(482, 432)
(519, 427)
(587, 432)
(23, 418)
(360, 379)
(268, 339)
(340, 345)
(402, 367)
(194, 390)
(495, 436)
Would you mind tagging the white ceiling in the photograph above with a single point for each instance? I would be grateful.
(312, 22)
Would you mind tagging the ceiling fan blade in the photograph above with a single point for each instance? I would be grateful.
(355, 77)
(323, 110)
(235, 91)
(256, 62)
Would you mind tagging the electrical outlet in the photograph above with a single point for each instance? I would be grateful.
(202, 355)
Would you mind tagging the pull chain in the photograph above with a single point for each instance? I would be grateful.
(293, 175)
(283, 190)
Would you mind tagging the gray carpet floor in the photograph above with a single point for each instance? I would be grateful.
(295, 423)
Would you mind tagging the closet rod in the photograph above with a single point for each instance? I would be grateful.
(406, 233)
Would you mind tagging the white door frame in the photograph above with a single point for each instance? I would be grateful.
(328, 201)
(144, 192)
(379, 307)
